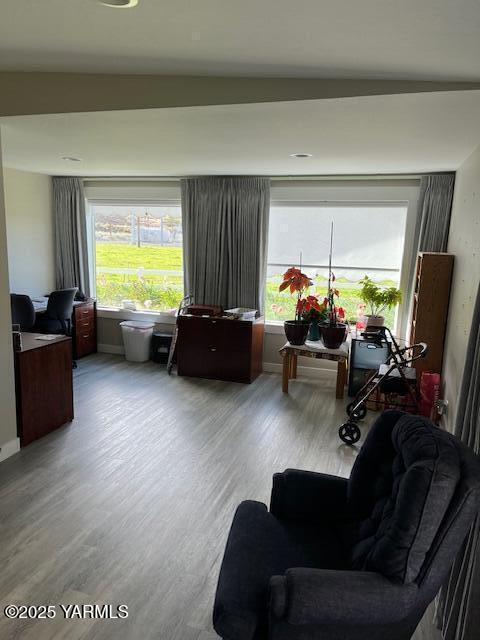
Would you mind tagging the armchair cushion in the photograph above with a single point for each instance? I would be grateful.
(401, 486)
(260, 546)
(308, 496)
(325, 597)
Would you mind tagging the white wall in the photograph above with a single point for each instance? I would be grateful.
(8, 425)
(464, 243)
(30, 234)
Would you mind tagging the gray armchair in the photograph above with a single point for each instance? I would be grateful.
(359, 559)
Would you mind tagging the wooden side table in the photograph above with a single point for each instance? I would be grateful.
(315, 350)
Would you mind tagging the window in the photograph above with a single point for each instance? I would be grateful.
(368, 239)
(138, 256)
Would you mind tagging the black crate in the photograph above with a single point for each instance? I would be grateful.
(160, 348)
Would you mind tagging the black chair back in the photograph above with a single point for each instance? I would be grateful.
(23, 311)
(60, 304)
(60, 307)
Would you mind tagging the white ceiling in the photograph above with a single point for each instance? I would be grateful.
(407, 39)
(381, 134)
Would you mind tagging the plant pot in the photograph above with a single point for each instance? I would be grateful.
(314, 331)
(296, 331)
(333, 336)
(375, 321)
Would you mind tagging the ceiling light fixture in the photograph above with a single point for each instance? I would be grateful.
(119, 4)
(71, 159)
(301, 155)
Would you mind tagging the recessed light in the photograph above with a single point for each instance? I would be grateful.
(301, 155)
(119, 4)
(71, 159)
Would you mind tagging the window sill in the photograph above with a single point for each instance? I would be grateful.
(164, 317)
(275, 327)
(160, 317)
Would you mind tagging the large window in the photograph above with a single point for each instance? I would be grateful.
(138, 256)
(368, 239)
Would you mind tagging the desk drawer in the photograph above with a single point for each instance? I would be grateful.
(86, 343)
(84, 312)
(84, 325)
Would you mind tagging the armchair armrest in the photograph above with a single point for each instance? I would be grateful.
(320, 596)
(308, 496)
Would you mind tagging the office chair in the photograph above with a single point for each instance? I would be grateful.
(351, 559)
(58, 315)
(23, 311)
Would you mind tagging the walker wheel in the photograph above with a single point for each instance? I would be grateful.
(360, 412)
(349, 432)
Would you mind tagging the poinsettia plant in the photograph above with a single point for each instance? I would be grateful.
(335, 314)
(310, 308)
(298, 283)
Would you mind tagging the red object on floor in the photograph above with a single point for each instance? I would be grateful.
(429, 394)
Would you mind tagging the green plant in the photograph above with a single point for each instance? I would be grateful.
(378, 298)
(281, 306)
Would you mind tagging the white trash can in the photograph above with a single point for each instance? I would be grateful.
(137, 336)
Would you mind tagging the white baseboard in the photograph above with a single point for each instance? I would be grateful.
(308, 372)
(9, 449)
(268, 367)
(111, 348)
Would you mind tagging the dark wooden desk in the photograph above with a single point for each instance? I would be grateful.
(43, 385)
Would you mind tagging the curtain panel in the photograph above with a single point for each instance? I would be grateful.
(435, 207)
(433, 219)
(225, 229)
(71, 253)
(458, 611)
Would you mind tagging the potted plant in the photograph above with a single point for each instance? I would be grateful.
(314, 311)
(378, 299)
(297, 282)
(334, 330)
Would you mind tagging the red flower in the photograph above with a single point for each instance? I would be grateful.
(310, 303)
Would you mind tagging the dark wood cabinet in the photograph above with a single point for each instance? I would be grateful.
(220, 348)
(84, 328)
(430, 308)
(43, 386)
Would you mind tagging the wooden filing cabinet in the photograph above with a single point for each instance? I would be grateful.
(220, 348)
(430, 308)
(84, 328)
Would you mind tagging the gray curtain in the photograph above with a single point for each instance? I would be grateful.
(71, 253)
(225, 227)
(458, 604)
(435, 206)
(433, 218)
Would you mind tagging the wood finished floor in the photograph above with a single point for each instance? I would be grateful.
(132, 502)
